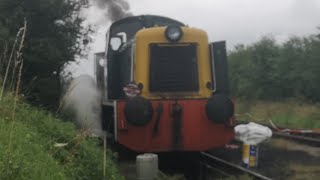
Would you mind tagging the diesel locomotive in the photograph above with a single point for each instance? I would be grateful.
(164, 87)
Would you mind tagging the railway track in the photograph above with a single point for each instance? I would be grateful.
(211, 163)
(310, 140)
(226, 168)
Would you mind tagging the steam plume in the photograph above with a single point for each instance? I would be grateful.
(116, 9)
(82, 100)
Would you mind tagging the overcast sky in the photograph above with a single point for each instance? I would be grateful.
(236, 21)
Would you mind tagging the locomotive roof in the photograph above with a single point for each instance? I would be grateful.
(131, 25)
(147, 20)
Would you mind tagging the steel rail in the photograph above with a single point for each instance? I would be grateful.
(214, 159)
(305, 139)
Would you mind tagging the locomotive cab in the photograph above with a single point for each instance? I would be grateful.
(168, 86)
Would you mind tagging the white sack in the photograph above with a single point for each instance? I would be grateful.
(252, 133)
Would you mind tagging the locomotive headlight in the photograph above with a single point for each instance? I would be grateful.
(173, 33)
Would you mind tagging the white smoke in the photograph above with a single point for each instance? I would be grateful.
(83, 100)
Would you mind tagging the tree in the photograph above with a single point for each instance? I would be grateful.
(253, 69)
(54, 38)
(266, 70)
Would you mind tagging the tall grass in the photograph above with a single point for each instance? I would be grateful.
(19, 63)
(14, 51)
(290, 113)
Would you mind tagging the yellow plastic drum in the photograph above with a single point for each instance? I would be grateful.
(250, 155)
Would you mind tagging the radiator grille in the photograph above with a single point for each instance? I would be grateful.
(173, 68)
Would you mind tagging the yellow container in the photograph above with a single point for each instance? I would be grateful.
(250, 155)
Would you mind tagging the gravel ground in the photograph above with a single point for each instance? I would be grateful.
(278, 158)
(281, 159)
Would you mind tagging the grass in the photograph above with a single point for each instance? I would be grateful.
(290, 113)
(33, 154)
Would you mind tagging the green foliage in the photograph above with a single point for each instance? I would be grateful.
(33, 154)
(54, 38)
(267, 70)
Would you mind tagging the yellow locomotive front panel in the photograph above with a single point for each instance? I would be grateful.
(192, 39)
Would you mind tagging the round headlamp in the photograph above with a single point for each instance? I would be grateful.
(173, 33)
